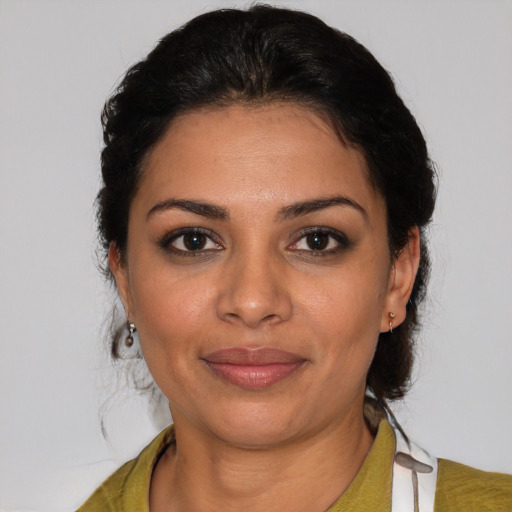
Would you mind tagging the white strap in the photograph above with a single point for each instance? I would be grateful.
(414, 477)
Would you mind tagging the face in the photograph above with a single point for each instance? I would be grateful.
(258, 273)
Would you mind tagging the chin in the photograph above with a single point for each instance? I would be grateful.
(256, 426)
(255, 437)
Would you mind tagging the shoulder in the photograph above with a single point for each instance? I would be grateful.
(107, 496)
(461, 487)
(127, 488)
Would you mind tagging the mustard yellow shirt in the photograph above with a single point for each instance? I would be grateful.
(459, 488)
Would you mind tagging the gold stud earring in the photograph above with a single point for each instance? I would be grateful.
(391, 318)
(129, 339)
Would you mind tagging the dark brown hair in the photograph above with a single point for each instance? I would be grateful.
(267, 54)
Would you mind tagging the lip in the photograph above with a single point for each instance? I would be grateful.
(253, 368)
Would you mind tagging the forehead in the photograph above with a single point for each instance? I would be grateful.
(262, 156)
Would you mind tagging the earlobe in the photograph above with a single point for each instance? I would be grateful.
(119, 270)
(401, 282)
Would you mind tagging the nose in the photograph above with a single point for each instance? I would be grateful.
(253, 292)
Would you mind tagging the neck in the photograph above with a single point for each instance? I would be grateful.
(205, 473)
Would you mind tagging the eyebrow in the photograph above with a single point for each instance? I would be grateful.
(197, 207)
(303, 208)
(288, 212)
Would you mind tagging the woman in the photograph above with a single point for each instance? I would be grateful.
(264, 202)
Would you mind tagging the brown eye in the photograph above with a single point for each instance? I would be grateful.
(317, 241)
(321, 241)
(194, 241)
(189, 241)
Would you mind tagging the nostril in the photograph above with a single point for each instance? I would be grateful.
(270, 318)
(252, 321)
(255, 316)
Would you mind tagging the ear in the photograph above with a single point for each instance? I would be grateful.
(401, 281)
(120, 271)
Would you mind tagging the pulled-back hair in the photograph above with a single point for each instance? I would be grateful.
(264, 55)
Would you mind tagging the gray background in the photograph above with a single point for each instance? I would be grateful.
(58, 62)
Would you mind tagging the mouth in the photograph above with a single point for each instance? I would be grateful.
(253, 368)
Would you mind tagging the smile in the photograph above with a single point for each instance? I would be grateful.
(253, 369)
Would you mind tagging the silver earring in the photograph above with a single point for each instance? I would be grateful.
(129, 339)
(391, 318)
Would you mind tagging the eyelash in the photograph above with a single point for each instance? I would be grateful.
(168, 239)
(339, 238)
(166, 242)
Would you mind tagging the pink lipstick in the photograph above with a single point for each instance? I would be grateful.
(253, 368)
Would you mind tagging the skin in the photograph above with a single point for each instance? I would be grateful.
(257, 282)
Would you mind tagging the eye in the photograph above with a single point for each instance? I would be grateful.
(321, 241)
(317, 241)
(190, 240)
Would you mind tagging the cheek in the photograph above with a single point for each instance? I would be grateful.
(346, 305)
(344, 314)
(165, 299)
(171, 315)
